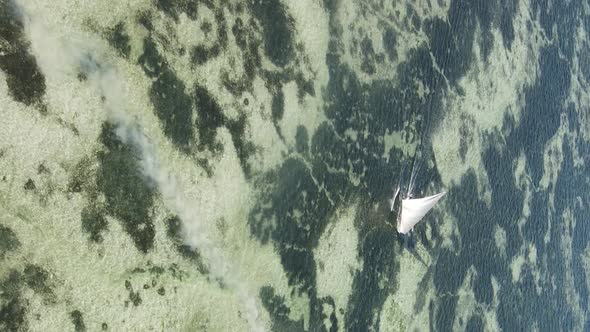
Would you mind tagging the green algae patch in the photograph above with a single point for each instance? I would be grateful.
(128, 196)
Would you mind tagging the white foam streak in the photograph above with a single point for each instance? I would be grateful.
(219, 266)
(57, 56)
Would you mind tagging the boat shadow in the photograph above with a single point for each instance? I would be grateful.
(408, 242)
(405, 241)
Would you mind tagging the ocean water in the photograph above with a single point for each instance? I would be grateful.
(186, 165)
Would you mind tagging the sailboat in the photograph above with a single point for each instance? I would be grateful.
(412, 209)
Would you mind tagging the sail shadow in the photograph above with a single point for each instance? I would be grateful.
(408, 242)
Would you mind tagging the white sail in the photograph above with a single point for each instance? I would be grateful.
(413, 210)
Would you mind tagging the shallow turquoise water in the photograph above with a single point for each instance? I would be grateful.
(224, 166)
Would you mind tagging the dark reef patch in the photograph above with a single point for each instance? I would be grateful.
(278, 30)
(452, 58)
(78, 321)
(520, 305)
(206, 28)
(13, 308)
(201, 54)
(8, 241)
(119, 39)
(389, 43)
(475, 324)
(156, 271)
(476, 228)
(452, 41)
(248, 43)
(301, 198)
(411, 19)
(301, 212)
(145, 19)
(285, 201)
(240, 34)
(222, 37)
(174, 107)
(506, 25)
(134, 297)
(563, 20)
(94, 223)
(301, 140)
(368, 294)
(30, 185)
(210, 118)
(167, 93)
(541, 117)
(42, 169)
(174, 233)
(278, 106)
(278, 311)
(37, 279)
(25, 81)
(275, 80)
(462, 19)
(81, 178)
(244, 148)
(278, 109)
(128, 195)
(13, 301)
(368, 54)
(304, 86)
(445, 316)
(173, 8)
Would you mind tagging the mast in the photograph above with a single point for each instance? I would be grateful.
(413, 210)
(392, 201)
